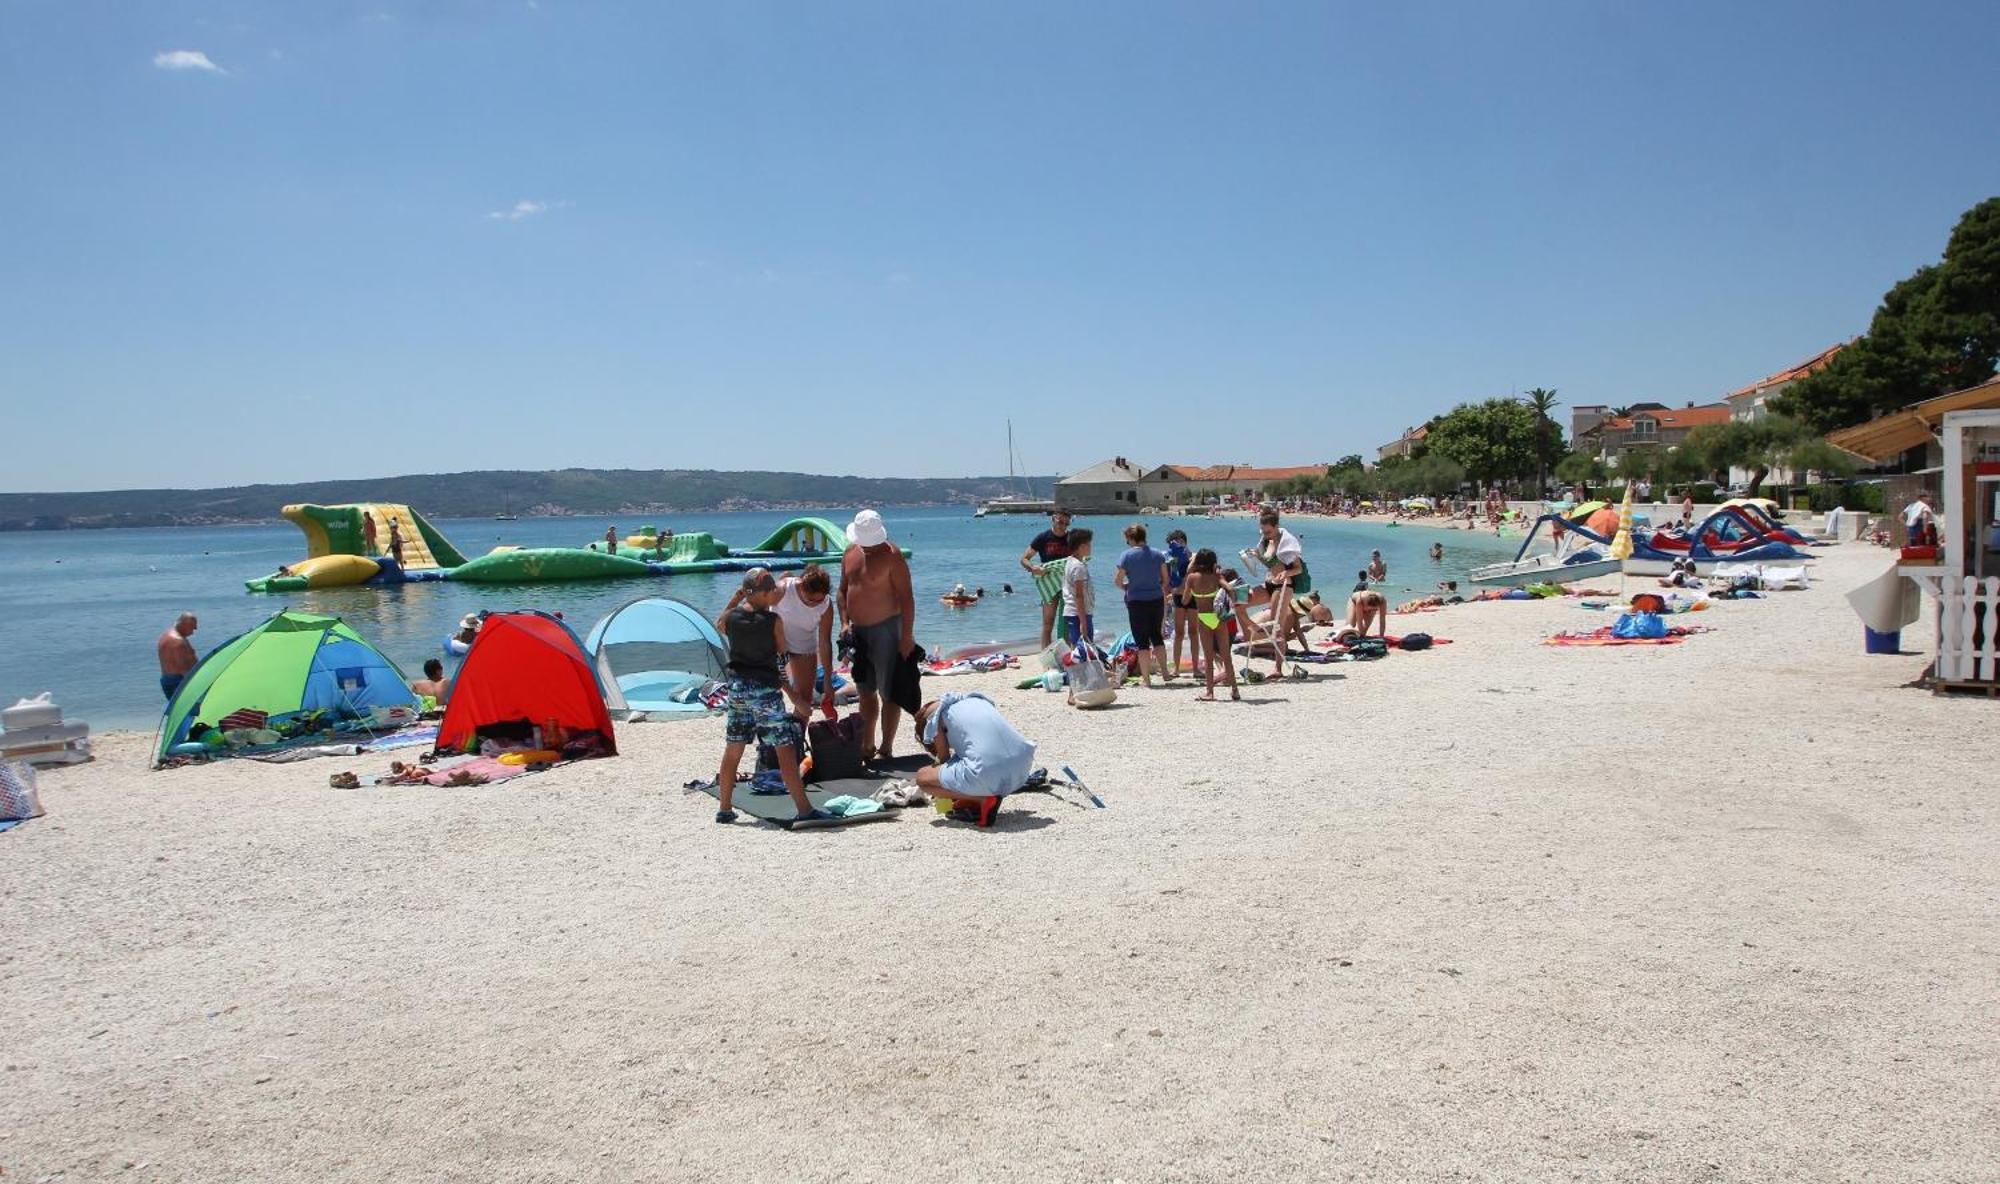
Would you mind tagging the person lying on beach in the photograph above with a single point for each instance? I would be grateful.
(1365, 609)
(979, 754)
(1213, 617)
(757, 692)
(432, 684)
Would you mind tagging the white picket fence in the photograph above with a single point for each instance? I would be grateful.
(1969, 630)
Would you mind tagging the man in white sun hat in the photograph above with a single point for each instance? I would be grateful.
(878, 611)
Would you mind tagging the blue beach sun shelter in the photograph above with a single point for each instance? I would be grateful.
(654, 654)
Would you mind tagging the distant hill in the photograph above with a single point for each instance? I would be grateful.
(593, 492)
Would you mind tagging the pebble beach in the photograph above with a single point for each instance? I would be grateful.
(1492, 911)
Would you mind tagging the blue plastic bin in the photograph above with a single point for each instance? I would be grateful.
(1884, 643)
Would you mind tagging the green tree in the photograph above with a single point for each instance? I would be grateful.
(1580, 468)
(1758, 446)
(1491, 441)
(1936, 332)
(1548, 436)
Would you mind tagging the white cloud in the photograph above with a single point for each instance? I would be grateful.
(525, 209)
(186, 59)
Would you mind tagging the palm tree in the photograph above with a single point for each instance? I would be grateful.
(1541, 401)
(1620, 412)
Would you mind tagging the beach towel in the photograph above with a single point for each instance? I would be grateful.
(481, 766)
(1603, 635)
(1048, 585)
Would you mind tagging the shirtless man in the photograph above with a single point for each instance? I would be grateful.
(1377, 570)
(432, 683)
(878, 611)
(177, 655)
(396, 541)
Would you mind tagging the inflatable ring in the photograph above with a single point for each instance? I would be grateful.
(454, 648)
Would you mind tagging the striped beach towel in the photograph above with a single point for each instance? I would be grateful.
(1048, 585)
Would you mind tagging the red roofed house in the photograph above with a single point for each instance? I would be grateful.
(1748, 404)
(1171, 485)
(1404, 444)
(1650, 428)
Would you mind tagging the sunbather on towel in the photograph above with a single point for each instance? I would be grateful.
(982, 755)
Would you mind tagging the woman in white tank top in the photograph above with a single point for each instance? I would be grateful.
(805, 609)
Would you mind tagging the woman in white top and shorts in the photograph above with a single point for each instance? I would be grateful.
(805, 608)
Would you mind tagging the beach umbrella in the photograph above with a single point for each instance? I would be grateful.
(1583, 510)
(1603, 522)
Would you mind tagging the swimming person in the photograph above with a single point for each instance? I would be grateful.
(1437, 552)
(879, 612)
(177, 655)
(1079, 599)
(1142, 573)
(1377, 569)
(757, 692)
(1361, 580)
(980, 753)
(1214, 611)
(432, 684)
(805, 605)
(1042, 554)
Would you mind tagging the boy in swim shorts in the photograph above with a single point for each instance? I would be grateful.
(757, 691)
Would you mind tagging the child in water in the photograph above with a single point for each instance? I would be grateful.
(757, 692)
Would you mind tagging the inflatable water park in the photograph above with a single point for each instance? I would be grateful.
(349, 545)
(1744, 530)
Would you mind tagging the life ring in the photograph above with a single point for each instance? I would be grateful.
(454, 648)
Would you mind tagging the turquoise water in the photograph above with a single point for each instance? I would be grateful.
(82, 608)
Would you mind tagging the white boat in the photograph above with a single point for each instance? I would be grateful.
(1546, 568)
(1562, 565)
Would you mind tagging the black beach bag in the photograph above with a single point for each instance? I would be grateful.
(836, 748)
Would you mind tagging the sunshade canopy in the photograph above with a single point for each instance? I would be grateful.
(1887, 437)
(292, 663)
(523, 666)
(649, 651)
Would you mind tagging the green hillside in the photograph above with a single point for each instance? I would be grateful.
(452, 495)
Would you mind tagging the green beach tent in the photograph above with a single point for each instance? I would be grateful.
(293, 662)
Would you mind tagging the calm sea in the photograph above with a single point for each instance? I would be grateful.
(79, 610)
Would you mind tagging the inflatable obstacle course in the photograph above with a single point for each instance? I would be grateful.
(338, 552)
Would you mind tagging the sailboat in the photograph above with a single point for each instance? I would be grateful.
(506, 513)
(1013, 501)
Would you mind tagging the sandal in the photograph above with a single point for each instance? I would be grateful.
(725, 816)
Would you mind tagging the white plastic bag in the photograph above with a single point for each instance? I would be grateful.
(18, 797)
(1089, 682)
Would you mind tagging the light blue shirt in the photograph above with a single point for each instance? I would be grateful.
(988, 757)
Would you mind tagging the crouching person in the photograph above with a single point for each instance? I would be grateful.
(757, 691)
(981, 754)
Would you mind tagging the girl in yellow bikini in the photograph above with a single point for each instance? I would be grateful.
(1215, 613)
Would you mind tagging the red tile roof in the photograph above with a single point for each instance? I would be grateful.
(1674, 418)
(1817, 362)
(1243, 472)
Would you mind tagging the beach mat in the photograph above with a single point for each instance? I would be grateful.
(777, 808)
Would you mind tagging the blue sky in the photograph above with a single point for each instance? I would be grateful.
(267, 242)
